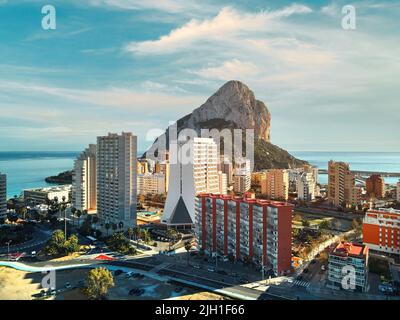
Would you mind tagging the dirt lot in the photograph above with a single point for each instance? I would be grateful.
(18, 285)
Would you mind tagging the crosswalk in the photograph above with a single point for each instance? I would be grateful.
(301, 283)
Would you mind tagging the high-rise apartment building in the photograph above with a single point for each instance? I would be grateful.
(348, 259)
(381, 230)
(276, 184)
(375, 186)
(193, 167)
(242, 176)
(251, 230)
(84, 185)
(306, 186)
(226, 166)
(116, 178)
(222, 183)
(142, 167)
(151, 184)
(3, 196)
(163, 168)
(341, 185)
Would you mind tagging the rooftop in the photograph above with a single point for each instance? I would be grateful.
(352, 249)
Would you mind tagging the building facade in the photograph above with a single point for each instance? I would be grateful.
(117, 179)
(342, 190)
(348, 259)
(41, 195)
(250, 230)
(381, 230)
(194, 170)
(151, 183)
(398, 192)
(375, 186)
(163, 168)
(222, 182)
(3, 196)
(242, 176)
(276, 184)
(84, 185)
(306, 187)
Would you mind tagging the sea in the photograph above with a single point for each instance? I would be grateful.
(27, 170)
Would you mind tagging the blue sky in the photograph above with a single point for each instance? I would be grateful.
(114, 65)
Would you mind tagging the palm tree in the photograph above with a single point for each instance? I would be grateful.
(120, 225)
(130, 233)
(79, 214)
(114, 227)
(188, 246)
(107, 226)
(73, 211)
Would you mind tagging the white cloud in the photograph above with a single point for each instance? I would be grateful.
(232, 69)
(170, 6)
(227, 23)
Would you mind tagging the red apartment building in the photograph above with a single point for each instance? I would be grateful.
(252, 230)
(381, 230)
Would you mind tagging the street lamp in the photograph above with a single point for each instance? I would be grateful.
(8, 247)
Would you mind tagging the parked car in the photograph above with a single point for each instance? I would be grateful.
(196, 266)
(223, 272)
(211, 269)
(118, 272)
(68, 285)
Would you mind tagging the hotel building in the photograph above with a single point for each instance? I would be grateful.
(276, 184)
(306, 186)
(344, 255)
(341, 185)
(41, 195)
(84, 186)
(142, 167)
(3, 196)
(194, 170)
(381, 230)
(116, 178)
(222, 183)
(242, 176)
(151, 183)
(251, 230)
(398, 192)
(163, 168)
(375, 185)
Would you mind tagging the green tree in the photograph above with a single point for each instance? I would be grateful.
(130, 233)
(98, 282)
(188, 246)
(107, 226)
(71, 245)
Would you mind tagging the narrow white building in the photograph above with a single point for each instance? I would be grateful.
(306, 186)
(117, 179)
(84, 186)
(193, 170)
(242, 176)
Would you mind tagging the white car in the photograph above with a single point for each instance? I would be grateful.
(211, 269)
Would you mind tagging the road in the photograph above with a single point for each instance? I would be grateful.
(40, 237)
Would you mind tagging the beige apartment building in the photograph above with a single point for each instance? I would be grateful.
(84, 184)
(276, 184)
(342, 190)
